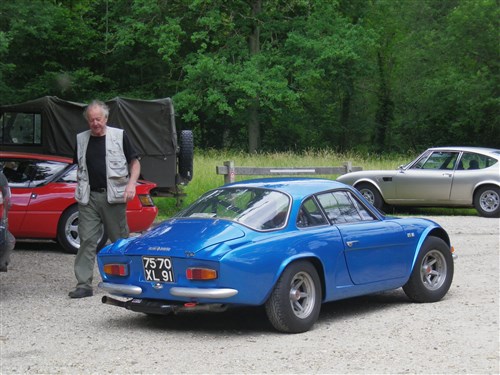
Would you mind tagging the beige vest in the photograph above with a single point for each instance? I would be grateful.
(116, 167)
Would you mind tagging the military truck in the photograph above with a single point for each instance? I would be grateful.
(49, 125)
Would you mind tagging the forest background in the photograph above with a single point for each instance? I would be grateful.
(370, 76)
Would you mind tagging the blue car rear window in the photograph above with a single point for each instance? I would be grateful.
(259, 209)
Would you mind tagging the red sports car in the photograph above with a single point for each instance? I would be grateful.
(43, 202)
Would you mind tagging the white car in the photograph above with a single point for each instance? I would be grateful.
(439, 177)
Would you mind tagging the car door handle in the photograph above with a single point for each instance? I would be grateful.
(351, 243)
(447, 174)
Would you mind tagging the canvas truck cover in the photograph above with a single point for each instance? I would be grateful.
(50, 125)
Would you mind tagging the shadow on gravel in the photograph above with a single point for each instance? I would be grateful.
(353, 308)
(33, 245)
(234, 321)
(252, 320)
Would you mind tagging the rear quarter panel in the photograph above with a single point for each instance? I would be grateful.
(255, 268)
(465, 182)
(140, 217)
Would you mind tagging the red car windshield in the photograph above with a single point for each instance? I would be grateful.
(28, 172)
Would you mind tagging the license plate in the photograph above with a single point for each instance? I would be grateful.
(158, 269)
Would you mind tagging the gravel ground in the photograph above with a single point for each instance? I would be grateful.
(44, 331)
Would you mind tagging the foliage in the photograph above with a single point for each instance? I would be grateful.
(447, 66)
(372, 76)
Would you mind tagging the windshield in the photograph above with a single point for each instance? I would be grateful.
(30, 172)
(259, 209)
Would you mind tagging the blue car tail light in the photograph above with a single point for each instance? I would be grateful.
(116, 269)
(194, 273)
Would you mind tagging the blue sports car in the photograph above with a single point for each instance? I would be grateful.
(289, 244)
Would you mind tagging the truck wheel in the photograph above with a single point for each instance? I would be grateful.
(186, 155)
(67, 231)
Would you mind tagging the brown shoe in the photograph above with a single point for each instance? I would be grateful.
(81, 293)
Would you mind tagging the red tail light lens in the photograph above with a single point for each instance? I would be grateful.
(146, 200)
(116, 269)
(201, 274)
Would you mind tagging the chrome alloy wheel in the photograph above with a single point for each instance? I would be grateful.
(489, 200)
(71, 230)
(433, 270)
(302, 295)
(67, 231)
(368, 194)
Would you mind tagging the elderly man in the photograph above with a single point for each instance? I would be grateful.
(108, 169)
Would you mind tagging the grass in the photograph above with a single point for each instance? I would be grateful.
(205, 177)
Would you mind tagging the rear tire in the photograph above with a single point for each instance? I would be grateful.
(432, 274)
(67, 231)
(295, 301)
(487, 201)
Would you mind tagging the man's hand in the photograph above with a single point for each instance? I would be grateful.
(129, 193)
(135, 170)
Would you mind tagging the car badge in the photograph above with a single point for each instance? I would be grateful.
(159, 248)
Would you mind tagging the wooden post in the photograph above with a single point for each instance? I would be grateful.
(348, 167)
(230, 176)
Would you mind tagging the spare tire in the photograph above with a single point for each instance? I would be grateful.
(186, 150)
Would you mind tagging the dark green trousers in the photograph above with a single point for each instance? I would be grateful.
(92, 217)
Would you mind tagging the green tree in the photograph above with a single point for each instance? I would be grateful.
(47, 43)
(446, 73)
(374, 75)
(327, 57)
(233, 82)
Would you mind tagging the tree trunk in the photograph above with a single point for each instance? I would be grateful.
(385, 110)
(253, 111)
(345, 115)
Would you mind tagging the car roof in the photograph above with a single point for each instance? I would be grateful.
(30, 155)
(484, 150)
(295, 186)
